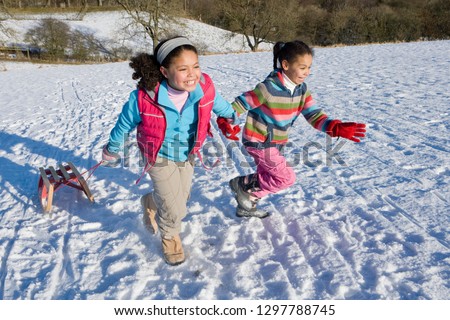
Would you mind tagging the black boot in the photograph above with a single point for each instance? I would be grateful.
(255, 212)
(243, 187)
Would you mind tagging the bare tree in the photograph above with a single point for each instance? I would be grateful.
(149, 14)
(4, 30)
(83, 9)
(52, 35)
(4, 14)
(257, 20)
(4, 5)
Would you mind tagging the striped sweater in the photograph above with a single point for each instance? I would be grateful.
(272, 110)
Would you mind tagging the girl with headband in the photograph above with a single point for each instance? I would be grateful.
(171, 110)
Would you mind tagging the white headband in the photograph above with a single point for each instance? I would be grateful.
(168, 46)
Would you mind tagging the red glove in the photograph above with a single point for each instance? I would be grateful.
(227, 129)
(347, 130)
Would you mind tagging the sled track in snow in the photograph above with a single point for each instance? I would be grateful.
(377, 229)
(291, 239)
(411, 219)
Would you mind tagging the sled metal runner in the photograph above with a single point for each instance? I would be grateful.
(51, 179)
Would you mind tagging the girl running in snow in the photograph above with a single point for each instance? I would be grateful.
(273, 106)
(171, 109)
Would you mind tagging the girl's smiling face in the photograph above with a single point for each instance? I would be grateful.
(184, 72)
(299, 69)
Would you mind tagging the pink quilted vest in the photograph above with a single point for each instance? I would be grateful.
(151, 131)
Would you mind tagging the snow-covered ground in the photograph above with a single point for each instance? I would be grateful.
(374, 226)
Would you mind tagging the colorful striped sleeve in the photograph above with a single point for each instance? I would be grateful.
(249, 100)
(314, 115)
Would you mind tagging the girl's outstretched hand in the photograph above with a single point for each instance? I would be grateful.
(110, 159)
(227, 129)
(348, 130)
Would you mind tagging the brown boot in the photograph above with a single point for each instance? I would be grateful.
(173, 250)
(149, 208)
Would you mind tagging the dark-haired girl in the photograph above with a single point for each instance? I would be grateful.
(172, 110)
(273, 106)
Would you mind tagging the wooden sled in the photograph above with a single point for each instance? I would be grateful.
(51, 179)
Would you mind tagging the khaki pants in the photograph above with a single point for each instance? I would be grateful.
(172, 183)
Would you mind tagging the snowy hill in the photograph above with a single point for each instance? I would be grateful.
(110, 26)
(375, 226)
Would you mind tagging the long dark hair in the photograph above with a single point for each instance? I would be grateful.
(147, 68)
(289, 51)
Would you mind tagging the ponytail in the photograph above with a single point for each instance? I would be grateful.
(276, 52)
(146, 70)
(289, 51)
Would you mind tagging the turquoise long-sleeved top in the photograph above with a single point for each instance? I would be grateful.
(181, 126)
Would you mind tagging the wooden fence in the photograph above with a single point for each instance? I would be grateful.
(19, 53)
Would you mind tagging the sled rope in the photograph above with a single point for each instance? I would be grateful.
(91, 170)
